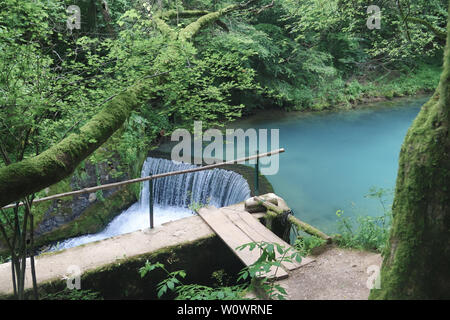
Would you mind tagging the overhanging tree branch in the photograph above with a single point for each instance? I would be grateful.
(58, 162)
(183, 14)
(164, 28)
(206, 17)
(193, 28)
(441, 35)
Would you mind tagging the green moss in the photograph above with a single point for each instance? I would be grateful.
(40, 208)
(193, 28)
(121, 279)
(58, 162)
(183, 14)
(164, 28)
(93, 219)
(417, 260)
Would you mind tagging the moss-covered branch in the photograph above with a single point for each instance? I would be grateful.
(275, 211)
(193, 28)
(183, 14)
(206, 17)
(438, 33)
(164, 28)
(58, 162)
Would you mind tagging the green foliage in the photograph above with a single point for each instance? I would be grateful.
(271, 255)
(340, 93)
(366, 232)
(167, 284)
(199, 292)
(190, 291)
(220, 277)
(341, 50)
(305, 245)
(340, 28)
(313, 54)
(74, 294)
(4, 259)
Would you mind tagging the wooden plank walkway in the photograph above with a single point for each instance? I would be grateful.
(237, 227)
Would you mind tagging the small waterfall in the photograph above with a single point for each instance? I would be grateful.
(172, 197)
(216, 187)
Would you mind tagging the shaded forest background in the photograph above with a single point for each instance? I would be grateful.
(290, 55)
(285, 54)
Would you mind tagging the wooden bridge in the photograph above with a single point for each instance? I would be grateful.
(236, 227)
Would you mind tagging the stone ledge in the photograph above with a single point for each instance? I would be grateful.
(54, 266)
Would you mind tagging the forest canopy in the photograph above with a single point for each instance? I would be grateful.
(243, 56)
(89, 87)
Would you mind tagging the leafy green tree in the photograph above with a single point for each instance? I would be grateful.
(62, 99)
(159, 64)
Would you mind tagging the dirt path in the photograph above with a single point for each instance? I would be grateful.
(336, 274)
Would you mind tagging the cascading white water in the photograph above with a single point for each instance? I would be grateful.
(172, 196)
(217, 187)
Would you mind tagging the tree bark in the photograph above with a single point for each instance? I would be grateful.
(107, 17)
(58, 162)
(191, 30)
(416, 264)
(438, 33)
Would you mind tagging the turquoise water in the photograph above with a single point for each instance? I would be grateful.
(333, 159)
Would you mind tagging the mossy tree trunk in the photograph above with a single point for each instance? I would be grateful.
(58, 162)
(416, 263)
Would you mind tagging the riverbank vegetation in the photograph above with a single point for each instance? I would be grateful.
(366, 232)
(137, 70)
(286, 54)
(267, 54)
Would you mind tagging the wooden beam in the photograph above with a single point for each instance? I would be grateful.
(275, 211)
